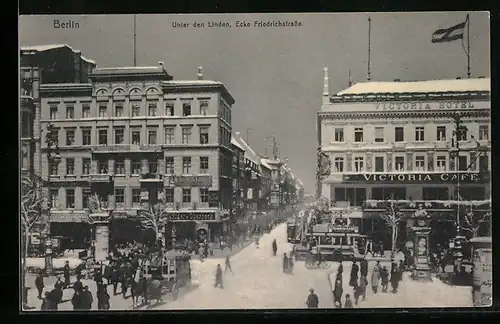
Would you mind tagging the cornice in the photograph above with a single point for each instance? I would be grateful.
(336, 115)
(431, 96)
(175, 87)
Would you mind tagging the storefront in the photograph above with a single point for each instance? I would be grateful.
(71, 230)
(197, 225)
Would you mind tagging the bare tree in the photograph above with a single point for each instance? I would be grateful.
(154, 218)
(392, 217)
(473, 221)
(31, 202)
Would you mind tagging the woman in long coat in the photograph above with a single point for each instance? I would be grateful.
(375, 279)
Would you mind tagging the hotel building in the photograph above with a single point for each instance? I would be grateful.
(134, 137)
(392, 140)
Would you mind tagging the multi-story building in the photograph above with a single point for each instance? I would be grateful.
(135, 137)
(28, 104)
(393, 140)
(238, 177)
(265, 185)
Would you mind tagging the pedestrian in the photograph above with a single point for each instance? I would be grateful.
(77, 300)
(401, 269)
(45, 302)
(384, 276)
(66, 270)
(228, 265)
(58, 290)
(312, 300)
(218, 278)
(360, 290)
(124, 284)
(353, 280)
(98, 277)
(375, 277)
(257, 242)
(87, 299)
(290, 265)
(275, 247)
(115, 278)
(39, 284)
(102, 298)
(363, 267)
(78, 285)
(340, 269)
(348, 301)
(338, 291)
(285, 263)
(395, 278)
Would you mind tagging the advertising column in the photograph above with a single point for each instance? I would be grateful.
(101, 241)
(421, 245)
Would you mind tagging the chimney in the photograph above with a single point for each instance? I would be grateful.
(350, 78)
(397, 80)
(326, 91)
(237, 134)
(458, 78)
(200, 74)
(160, 64)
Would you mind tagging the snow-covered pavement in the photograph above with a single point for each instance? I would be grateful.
(411, 293)
(258, 281)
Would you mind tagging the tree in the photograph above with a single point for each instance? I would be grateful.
(392, 217)
(473, 221)
(154, 218)
(31, 203)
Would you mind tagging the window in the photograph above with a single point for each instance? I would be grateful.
(186, 135)
(70, 198)
(399, 163)
(186, 165)
(441, 133)
(136, 137)
(54, 198)
(136, 166)
(119, 167)
(169, 135)
(119, 135)
(86, 166)
(85, 111)
(419, 134)
(136, 110)
(54, 168)
(483, 132)
(484, 163)
(25, 126)
(385, 193)
(435, 193)
(169, 195)
(462, 134)
(379, 164)
(169, 108)
(186, 109)
(86, 194)
(169, 165)
(186, 195)
(420, 163)
(70, 112)
(441, 163)
(203, 107)
(70, 166)
(103, 110)
(152, 109)
(356, 196)
(358, 134)
(204, 135)
(119, 109)
(153, 167)
(70, 137)
(399, 134)
(103, 137)
(339, 135)
(136, 197)
(462, 163)
(152, 137)
(204, 164)
(473, 193)
(204, 195)
(359, 164)
(53, 112)
(103, 167)
(379, 134)
(339, 164)
(86, 136)
(119, 196)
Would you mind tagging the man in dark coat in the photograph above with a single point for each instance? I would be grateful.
(76, 301)
(285, 263)
(58, 290)
(98, 277)
(77, 286)
(363, 267)
(102, 297)
(395, 278)
(312, 300)
(340, 269)
(87, 298)
(218, 278)
(39, 284)
(353, 280)
(337, 292)
(115, 278)
(384, 276)
(275, 247)
(66, 270)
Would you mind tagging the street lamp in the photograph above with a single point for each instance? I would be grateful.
(53, 159)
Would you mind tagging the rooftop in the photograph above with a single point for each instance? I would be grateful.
(235, 142)
(41, 48)
(430, 86)
(249, 152)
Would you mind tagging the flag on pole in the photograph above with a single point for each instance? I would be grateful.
(453, 33)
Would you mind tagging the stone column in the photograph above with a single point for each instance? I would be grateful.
(349, 162)
(430, 161)
(369, 158)
(409, 160)
(389, 162)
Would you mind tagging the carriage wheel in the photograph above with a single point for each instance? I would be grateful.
(325, 265)
(310, 263)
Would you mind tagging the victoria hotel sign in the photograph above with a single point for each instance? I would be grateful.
(415, 105)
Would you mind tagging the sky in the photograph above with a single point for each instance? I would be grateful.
(275, 74)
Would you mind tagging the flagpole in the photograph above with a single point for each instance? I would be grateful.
(369, 77)
(468, 46)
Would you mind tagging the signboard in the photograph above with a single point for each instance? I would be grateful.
(344, 229)
(99, 177)
(204, 181)
(424, 177)
(123, 148)
(35, 239)
(66, 217)
(186, 216)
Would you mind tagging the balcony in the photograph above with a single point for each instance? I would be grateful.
(151, 178)
(100, 178)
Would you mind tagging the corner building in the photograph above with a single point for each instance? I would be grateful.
(135, 136)
(392, 140)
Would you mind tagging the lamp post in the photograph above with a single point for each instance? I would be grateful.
(53, 159)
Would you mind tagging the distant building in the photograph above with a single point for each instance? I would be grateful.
(238, 177)
(135, 137)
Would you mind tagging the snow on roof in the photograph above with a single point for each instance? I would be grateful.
(128, 68)
(235, 142)
(192, 82)
(87, 60)
(454, 85)
(265, 164)
(249, 153)
(42, 48)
